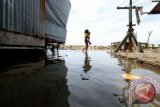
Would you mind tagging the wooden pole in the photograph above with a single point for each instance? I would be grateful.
(130, 25)
(130, 37)
(130, 14)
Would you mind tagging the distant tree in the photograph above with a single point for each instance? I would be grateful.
(149, 36)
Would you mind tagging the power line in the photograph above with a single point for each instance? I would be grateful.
(123, 2)
(134, 1)
(147, 4)
(144, 2)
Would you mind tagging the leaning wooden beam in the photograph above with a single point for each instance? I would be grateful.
(134, 44)
(135, 40)
(124, 40)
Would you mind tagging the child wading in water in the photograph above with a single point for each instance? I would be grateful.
(86, 39)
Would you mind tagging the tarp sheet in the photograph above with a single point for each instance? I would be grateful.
(57, 12)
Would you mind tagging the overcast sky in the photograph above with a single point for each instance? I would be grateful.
(107, 24)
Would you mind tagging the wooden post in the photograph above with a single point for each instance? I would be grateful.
(130, 14)
(130, 25)
(129, 35)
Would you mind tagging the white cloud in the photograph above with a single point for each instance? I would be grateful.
(106, 23)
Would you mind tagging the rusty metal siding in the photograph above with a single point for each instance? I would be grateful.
(22, 16)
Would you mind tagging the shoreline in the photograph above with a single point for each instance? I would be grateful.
(149, 57)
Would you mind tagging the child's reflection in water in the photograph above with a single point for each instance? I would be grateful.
(86, 67)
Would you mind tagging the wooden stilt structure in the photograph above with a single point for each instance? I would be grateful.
(130, 36)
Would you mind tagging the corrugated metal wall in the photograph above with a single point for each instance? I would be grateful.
(23, 16)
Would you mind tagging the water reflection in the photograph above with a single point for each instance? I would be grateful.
(127, 67)
(123, 98)
(34, 85)
(86, 67)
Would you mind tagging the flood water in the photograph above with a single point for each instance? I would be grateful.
(76, 80)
